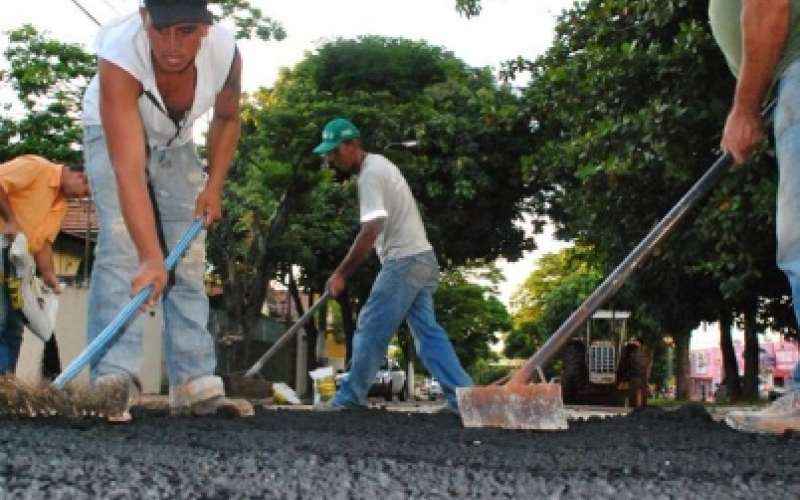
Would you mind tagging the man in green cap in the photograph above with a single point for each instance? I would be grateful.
(409, 275)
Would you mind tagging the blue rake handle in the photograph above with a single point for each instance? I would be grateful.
(109, 334)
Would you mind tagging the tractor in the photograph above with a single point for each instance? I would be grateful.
(606, 367)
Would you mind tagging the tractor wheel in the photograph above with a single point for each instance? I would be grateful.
(388, 395)
(574, 373)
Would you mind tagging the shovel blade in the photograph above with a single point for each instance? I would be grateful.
(529, 406)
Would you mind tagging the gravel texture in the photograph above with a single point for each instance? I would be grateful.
(382, 455)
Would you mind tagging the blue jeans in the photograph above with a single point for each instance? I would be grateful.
(11, 326)
(403, 290)
(176, 177)
(787, 146)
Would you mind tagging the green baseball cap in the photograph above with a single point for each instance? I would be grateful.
(336, 132)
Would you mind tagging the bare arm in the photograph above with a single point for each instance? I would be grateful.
(359, 252)
(46, 267)
(122, 125)
(11, 226)
(765, 25)
(223, 138)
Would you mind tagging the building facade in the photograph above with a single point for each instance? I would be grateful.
(706, 371)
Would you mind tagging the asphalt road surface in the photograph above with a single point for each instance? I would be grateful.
(392, 455)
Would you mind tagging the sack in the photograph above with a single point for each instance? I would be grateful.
(324, 384)
(37, 303)
(283, 394)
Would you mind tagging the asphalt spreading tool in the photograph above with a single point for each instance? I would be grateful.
(247, 384)
(20, 398)
(518, 404)
(286, 337)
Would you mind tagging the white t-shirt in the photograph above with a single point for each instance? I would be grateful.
(124, 43)
(384, 193)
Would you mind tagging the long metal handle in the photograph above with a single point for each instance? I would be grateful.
(110, 332)
(287, 336)
(615, 280)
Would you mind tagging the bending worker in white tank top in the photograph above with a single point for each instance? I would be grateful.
(159, 70)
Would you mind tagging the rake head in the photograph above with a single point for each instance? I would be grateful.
(22, 399)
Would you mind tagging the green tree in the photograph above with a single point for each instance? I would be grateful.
(468, 8)
(548, 296)
(48, 78)
(249, 21)
(472, 316)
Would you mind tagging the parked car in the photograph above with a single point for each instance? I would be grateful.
(777, 392)
(389, 382)
(434, 390)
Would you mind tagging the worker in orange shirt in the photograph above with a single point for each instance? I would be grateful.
(33, 200)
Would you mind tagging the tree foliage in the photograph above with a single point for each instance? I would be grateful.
(48, 78)
(249, 21)
(472, 316)
(548, 296)
(469, 8)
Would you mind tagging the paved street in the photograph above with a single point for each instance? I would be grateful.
(404, 453)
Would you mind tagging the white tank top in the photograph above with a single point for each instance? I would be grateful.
(124, 43)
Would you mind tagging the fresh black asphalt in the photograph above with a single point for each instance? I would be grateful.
(382, 455)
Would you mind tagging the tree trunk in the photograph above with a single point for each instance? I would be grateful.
(244, 306)
(234, 298)
(730, 367)
(682, 365)
(264, 267)
(309, 330)
(751, 356)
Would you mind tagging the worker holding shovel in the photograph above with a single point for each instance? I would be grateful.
(160, 69)
(403, 290)
(33, 203)
(761, 42)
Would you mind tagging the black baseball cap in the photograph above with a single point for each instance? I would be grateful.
(165, 13)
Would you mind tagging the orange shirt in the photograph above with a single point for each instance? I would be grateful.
(33, 188)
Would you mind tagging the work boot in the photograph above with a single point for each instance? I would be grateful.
(218, 405)
(331, 405)
(780, 416)
(119, 392)
(446, 409)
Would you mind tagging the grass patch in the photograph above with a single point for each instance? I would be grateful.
(674, 403)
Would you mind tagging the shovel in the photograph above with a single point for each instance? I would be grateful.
(520, 405)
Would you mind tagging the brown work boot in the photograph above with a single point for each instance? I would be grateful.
(218, 405)
(115, 394)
